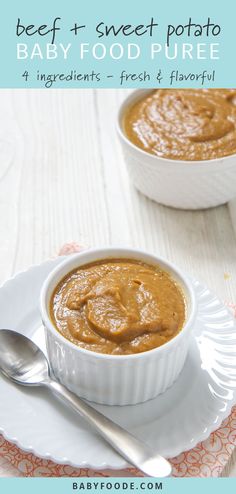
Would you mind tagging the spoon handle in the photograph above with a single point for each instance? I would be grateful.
(135, 451)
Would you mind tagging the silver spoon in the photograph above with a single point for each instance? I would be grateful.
(23, 362)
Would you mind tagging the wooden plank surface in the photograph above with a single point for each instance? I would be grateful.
(63, 178)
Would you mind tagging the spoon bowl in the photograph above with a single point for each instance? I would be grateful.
(21, 360)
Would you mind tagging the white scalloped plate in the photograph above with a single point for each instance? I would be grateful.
(173, 422)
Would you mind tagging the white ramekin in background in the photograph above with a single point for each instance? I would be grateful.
(180, 184)
(116, 379)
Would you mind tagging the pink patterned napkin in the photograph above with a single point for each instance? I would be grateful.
(207, 459)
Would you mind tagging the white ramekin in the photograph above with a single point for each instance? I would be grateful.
(180, 184)
(115, 379)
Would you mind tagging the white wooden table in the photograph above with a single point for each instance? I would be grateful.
(63, 178)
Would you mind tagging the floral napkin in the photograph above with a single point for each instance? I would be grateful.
(207, 459)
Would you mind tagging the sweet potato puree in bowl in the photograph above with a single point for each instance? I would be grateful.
(180, 145)
(119, 306)
(117, 324)
(184, 124)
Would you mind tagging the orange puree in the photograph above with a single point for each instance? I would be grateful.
(184, 124)
(118, 306)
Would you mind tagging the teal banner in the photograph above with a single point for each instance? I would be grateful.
(112, 485)
(123, 44)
